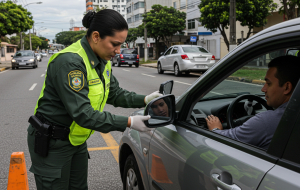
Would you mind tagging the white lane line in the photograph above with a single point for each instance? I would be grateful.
(42, 75)
(33, 86)
(183, 83)
(46, 70)
(148, 75)
(245, 83)
(125, 70)
(216, 93)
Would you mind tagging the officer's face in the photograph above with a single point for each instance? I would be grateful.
(109, 46)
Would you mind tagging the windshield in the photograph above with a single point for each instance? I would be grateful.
(23, 53)
(194, 50)
(129, 51)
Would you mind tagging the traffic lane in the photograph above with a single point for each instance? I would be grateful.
(16, 105)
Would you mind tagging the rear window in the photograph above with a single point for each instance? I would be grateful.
(194, 50)
(129, 51)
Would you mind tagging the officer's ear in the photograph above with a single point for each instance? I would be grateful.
(95, 37)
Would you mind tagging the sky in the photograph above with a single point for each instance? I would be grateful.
(55, 15)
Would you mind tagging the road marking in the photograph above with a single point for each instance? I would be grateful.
(46, 70)
(183, 83)
(110, 141)
(125, 70)
(3, 71)
(244, 83)
(33, 86)
(216, 93)
(103, 148)
(42, 75)
(148, 75)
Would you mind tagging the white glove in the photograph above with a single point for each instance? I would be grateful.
(152, 96)
(137, 123)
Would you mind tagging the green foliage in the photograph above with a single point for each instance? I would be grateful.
(132, 35)
(68, 37)
(44, 43)
(14, 18)
(288, 8)
(163, 22)
(251, 13)
(35, 41)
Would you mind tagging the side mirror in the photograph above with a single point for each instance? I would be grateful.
(162, 53)
(166, 87)
(161, 110)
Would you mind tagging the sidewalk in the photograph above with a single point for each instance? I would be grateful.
(5, 65)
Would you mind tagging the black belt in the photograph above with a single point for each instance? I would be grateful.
(57, 132)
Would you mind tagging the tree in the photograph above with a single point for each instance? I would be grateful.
(35, 41)
(163, 22)
(44, 43)
(251, 13)
(288, 8)
(14, 18)
(68, 37)
(132, 36)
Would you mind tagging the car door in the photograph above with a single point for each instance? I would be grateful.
(185, 155)
(164, 59)
(171, 58)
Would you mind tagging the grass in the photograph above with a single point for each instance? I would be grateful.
(251, 73)
(148, 61)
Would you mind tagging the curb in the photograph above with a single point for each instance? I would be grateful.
(4, 68)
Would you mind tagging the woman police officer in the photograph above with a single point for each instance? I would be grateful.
(78, 84)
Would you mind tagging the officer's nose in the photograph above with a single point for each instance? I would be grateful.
(118, 50)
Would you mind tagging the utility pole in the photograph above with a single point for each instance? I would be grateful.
(21, 40)
(30, 40)
(232, 22)
(145, 35)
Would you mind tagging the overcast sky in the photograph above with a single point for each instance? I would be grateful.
(55, 15)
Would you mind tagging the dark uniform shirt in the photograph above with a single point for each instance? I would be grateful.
(61, 105)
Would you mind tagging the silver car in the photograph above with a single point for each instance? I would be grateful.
(185, 58)
(44, 54)
(181, 153)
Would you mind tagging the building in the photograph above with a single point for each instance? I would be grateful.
(75, 28)
(118, 5)
(7, 50)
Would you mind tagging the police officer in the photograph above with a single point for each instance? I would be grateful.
(78, 84)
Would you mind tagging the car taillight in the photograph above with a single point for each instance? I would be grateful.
(121, 55)
(185, 57)
(137, 56)
(213, 57)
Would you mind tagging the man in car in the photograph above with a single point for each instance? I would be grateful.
(281, 78)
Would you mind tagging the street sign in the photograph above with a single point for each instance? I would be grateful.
(193, 39)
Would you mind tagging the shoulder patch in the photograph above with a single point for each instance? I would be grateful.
(76, 80)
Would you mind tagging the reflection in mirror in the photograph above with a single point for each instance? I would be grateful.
(160, 111)
(167, 88)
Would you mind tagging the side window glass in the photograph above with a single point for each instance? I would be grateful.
(175, 50)
(168, 52)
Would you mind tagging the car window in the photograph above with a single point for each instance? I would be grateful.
(175, 50)
(129, 51)
(169, 51)
(23, 54)
(194, 50)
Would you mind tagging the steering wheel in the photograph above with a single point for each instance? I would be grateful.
(241, 120)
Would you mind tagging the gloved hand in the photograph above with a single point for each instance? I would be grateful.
(137, 123)
(152, 96)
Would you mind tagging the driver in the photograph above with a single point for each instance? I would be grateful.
(281, 79)
(160, 108)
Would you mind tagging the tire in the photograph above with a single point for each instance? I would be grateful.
(131, 176)
(137, 65)
(187, 72)
(112, 63)
(40, 60)
(17, 67)
(130, 65)
(159, 69)
(12, 68)
(118, 64)
(177, 71)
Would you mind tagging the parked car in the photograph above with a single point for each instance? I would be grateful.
(44, 54)
(55, 51)
(181, 153)
(38, 56)
(50, 52)
(126, 57)
(185, 58)
(25, 58)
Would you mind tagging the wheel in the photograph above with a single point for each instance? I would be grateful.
(159, 69)
(17, 67)
(40, 60)
(118, 63)
(131, 176)
(187, 72)
(130, 65)
(177, 71)
(12, 68)
(137, 64)
(112, 63)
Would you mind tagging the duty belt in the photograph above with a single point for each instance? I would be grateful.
(57, 132)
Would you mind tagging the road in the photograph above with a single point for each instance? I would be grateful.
(20, 90)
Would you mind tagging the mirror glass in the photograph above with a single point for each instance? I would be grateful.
(167, 88)
(160, 111)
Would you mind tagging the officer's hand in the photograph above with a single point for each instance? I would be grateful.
(137, 123)
(152, 96)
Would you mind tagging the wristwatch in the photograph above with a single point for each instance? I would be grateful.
(214, 129)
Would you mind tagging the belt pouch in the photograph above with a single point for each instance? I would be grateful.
(42, 141)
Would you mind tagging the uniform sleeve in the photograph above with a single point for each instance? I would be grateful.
(252, 131)
(119, 97)
(78, 104)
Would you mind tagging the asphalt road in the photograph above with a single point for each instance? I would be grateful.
(20, 90)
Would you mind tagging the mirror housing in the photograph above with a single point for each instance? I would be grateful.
(161, 53)
(161, 110)
(166, 87)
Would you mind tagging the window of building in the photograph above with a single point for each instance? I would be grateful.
(129, 20)
(105, 0)
(100, 0)
(191, 24)
(127, 1)
(100, 5)
(123, 5)
(123, 1)
(137, 17)
(192, 3)
(182, 4)
(174, 5)
(139, 5)
(10, 50)
(128, 9)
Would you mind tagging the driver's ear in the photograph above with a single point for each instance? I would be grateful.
(288, 88)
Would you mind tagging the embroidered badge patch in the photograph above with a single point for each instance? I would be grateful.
(76, 80)
(94, 82)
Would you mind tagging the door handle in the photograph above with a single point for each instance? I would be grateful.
(222, 185)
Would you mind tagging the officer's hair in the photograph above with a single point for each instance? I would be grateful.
(288, 69)
(106, 22)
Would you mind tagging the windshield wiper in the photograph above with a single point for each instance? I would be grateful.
(232, 95)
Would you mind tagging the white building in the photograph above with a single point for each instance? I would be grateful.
(118, 5)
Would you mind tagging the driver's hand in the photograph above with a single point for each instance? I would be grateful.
(213, 122)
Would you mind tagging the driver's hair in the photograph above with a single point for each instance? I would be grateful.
(288, 69)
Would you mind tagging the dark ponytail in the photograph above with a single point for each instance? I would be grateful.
(106, 22)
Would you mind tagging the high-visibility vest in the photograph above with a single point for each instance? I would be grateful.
(296, 54)
(97, 95)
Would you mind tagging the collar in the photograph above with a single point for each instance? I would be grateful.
(94, 61)
(283, 105)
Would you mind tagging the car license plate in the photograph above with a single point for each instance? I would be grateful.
(130, 62)
(200, 66)
(22, 63)
(200, 59)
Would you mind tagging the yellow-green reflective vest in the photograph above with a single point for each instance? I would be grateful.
(296, 54)
(98, 97)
